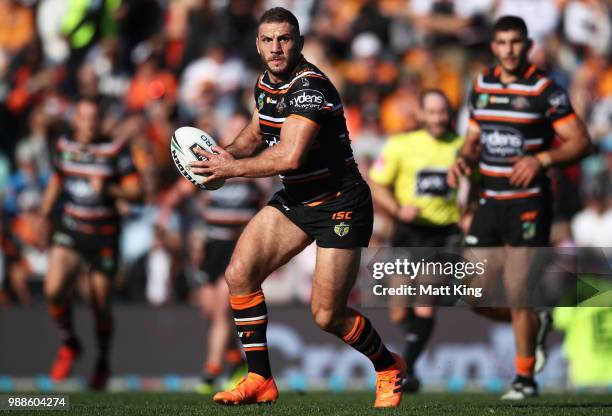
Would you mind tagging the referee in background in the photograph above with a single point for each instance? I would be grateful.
(408, 181)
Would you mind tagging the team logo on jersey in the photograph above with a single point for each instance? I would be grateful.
(482, 101)
(502, 141)
(306, 100)
(559, 102)
(280, 107)
(520, 103)
(260, 100)
(341, 229)
(305, 82)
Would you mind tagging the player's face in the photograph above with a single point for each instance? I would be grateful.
(279, 47)
(435, 115)
(510, 48)
(85, 122)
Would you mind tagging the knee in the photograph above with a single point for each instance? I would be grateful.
(328, 320)
(239, 278)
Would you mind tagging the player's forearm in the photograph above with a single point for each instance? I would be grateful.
(383, 197)
(130, 193)
(245, 144)
(470, 150)
(576, 146)
(272, 161)
(51, 195)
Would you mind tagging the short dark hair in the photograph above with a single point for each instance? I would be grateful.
(280, 15)
(505, 23)
(434, 91)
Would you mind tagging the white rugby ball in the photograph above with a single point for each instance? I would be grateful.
(182, 146)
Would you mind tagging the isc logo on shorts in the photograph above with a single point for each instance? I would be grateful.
(342, 215)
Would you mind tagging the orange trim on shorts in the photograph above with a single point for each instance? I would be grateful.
(355, 331)
(305, 119)
(323, 200)
(524, 365)
(256, 349)
(241, 302)
(564, 120)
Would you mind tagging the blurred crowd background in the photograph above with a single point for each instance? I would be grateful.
(160, 64)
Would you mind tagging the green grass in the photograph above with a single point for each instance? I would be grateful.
(323, 403)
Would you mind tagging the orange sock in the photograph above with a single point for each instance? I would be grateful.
(233, 356)
(213, 369)
(62, 314)
(251, 319)
(524, 366)
(363, 337)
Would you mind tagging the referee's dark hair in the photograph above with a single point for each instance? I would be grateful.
(280, 15)
(508, 22)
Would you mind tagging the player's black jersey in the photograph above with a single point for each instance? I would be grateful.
(516, 119)
(85, 171)
(228, 209)
(329, 166)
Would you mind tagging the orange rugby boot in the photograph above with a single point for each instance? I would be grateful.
(389, 384)
(251, 389)
(64, 360)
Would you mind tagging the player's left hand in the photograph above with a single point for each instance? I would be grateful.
(524, 171)
(219, 165)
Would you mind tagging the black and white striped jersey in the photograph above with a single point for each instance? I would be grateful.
(515, 120)
(85, 170)
(308, 94)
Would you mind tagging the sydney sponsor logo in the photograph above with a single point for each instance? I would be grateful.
(306, 100)
(503, 143)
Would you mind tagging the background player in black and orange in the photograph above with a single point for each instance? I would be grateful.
(300, 118)
(515, 112)
(90, 174)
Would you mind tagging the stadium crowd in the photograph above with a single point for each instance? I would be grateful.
(156, 65)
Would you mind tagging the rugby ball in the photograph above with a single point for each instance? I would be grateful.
(182, 146)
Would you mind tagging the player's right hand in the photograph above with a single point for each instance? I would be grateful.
(459, 168)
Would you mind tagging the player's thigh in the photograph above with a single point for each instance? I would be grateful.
(269, 241)
(490, 282)
(63, 267)
(517, 269)
(335, 274)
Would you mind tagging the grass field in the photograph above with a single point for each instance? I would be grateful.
(321, 404)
